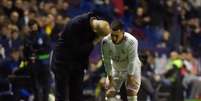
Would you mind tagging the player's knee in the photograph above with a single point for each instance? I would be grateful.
(131, 92)
(111, 93)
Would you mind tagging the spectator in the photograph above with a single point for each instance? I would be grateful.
(174, 77)
(148, 77)
(191, 78)
(118, 6)
(6, 6)
(36, 51)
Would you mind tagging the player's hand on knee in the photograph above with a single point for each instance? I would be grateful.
(111, 92)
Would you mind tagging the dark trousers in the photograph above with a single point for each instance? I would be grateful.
(68, 81)
(41, 88)
(40, 75)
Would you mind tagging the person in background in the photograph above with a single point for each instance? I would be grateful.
(37, 53)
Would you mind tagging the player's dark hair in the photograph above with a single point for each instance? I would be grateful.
(117, 25)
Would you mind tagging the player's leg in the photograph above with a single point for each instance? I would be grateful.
(114, 87)
(110, 90)
(132, 86)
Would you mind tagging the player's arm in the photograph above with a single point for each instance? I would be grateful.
(134, 69)
(106, 56)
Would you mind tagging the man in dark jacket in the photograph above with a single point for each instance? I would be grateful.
(70, 56)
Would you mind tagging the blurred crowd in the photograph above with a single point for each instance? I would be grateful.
(168, 31)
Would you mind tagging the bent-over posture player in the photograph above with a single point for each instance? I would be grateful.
(122, 64)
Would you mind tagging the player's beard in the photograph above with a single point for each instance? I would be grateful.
(114, 40)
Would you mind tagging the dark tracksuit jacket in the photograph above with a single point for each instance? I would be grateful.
(76, 41)
(70, 57)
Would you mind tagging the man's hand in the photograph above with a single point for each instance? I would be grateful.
(111, 92)
(108, 82)
(109, 86)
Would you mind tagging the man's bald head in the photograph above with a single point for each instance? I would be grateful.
(101, 27)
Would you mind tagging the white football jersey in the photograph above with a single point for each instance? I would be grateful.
(122, 57)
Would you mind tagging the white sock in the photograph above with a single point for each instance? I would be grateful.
(132, 98)
(111, 99)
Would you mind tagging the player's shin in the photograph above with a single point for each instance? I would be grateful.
(132, 93)
(132, 98)
(111, 99)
